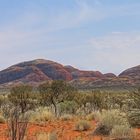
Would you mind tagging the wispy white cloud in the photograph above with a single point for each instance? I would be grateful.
(85, 12)
(81, 13)
(117, 40)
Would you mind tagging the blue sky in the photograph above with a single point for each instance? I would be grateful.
(88, 34)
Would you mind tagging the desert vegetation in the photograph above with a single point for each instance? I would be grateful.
(57, 111)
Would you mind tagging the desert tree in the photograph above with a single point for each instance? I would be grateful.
(56, 92)
(21, 96)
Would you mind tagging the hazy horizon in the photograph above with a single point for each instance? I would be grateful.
(87, 34)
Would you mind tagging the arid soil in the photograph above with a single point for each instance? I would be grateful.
(63, 129)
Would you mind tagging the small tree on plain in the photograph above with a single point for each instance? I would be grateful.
(21, 96)
(56, 92)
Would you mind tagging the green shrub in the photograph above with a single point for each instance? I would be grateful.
(68, 107)
(82, 125)
(21, 96)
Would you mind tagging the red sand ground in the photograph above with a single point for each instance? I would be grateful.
(64, 129)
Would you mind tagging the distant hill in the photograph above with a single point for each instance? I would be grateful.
(133, 74)
(40, 70)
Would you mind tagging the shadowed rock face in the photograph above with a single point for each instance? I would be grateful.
(76, 73)
(41, 70)
(36, 71)
(132, 72)
(128, 78)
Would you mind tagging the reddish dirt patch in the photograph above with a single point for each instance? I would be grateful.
(138, 134)
(64, 129)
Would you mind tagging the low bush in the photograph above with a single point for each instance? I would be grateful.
(112, 118)
(46, 136)
(42, 115)
(52, 136)
(42, 136)
(82, 125)
(90, 117)
(68, 107)
(108, 119)
(66, 117)
(2, 120)
(122, 132)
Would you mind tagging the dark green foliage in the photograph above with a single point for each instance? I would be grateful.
(21, 96)
(94, 99)
(68, 107)
(55, 93)
(45, 93)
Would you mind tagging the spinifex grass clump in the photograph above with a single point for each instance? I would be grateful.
(52, 136)
(108, 120)
(46, 136)
(42, 115)
(122, 132)
(66, 117)
(90, 117)
(82, 125)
